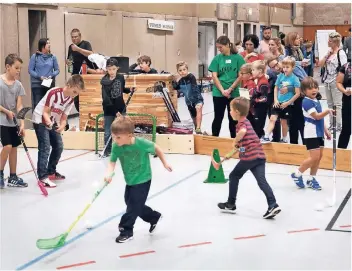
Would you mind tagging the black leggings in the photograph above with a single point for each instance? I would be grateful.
(277, 128)
(260, 117)
(345, 135)
(296, 122)
(220, 104)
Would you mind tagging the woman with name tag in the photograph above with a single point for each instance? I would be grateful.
(225, 68)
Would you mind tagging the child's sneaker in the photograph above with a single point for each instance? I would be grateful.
(231, 208)
(56, 177)
(123, 238)
(273, 211)
(15, 181)
(153, 226)
(2, 181)
(313, 184)
(298, 180)
(265, 140)
(48, 183)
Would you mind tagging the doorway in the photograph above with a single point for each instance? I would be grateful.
(37, 28)
(206, 47)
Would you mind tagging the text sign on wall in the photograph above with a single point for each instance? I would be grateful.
(161, 25)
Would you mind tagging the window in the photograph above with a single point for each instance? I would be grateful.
(225, 29)
(36, 28)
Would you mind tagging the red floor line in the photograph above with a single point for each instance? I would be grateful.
(345, 226)
(65, 159)
(305, 230)
(249, 237)
(137, 254)
(197, 244)
(74, 265)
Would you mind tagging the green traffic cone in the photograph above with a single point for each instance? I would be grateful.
(216, 176)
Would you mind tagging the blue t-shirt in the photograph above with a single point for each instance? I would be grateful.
(286, 81)
(313, 128)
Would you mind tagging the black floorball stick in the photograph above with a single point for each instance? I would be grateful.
(160, 88)
(127, 102)
(333, 200)
(40, 184)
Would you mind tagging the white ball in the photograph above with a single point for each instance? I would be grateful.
(319, 207)
(95, 184)
(89, 225)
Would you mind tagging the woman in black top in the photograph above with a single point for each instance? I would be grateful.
(343, 83)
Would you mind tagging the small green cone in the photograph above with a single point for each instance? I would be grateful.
(216, 176)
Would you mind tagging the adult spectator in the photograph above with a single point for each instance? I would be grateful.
(225, 68)
(251, 42)
(264, 43)
(347, 46)
(333, 61)
(293, 49)
(78, 53)
(276, 49)
(343, 83)
(43, 67)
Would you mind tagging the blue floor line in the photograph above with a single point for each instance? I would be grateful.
(48, 253)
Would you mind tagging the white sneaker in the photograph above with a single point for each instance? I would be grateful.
(48, 183)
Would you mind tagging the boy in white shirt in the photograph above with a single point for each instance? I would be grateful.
(52, 111)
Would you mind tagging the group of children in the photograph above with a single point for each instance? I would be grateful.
(133, 152)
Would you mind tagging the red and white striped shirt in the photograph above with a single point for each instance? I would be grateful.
(57, 103)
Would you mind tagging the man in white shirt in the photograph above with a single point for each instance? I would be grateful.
(50, 118)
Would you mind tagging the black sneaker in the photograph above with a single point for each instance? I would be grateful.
(231, 208)
(123, 238)
(153, 226)
(2, 181)
(15, 181)
(272, 212)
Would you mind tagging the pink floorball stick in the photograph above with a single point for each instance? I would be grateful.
(40, 184)
(217, 165)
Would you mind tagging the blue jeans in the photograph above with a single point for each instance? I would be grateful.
(37, 94)
(46, 139)
(108, 120)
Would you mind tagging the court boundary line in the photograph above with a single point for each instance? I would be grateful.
(79, 236)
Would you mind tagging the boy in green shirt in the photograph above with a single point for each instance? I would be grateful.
(133, 153)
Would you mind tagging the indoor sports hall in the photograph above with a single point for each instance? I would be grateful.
(193, 234)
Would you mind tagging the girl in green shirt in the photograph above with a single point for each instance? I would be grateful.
(225, 69)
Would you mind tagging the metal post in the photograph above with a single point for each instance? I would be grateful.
(235, 22)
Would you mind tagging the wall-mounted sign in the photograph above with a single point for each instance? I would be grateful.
(161, 25)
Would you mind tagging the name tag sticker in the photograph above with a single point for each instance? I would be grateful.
(228, 61)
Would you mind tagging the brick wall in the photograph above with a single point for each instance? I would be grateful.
(327, 14)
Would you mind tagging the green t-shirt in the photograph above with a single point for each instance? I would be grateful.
(227, 68)
(134, 160)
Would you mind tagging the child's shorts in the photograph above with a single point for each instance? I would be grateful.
(9, 136)
(314, 143)
(282, 113)
(192, 108)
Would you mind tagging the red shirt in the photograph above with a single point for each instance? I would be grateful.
(250, 85)
(252, 58)
(261, 90)
(250, 142)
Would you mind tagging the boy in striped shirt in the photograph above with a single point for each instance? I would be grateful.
(52, 112)
(252, 158)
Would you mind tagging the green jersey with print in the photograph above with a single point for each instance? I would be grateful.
(227, 68)
(134, 159)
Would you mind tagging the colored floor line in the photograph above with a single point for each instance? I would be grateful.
(77, 237)
(137, 254)
(305, 230)
(194, 245)
(285, 174)
(63, 160)
(249, 237)
(74, 265)
(345, 226)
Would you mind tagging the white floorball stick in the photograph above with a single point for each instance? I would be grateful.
(333, 200)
